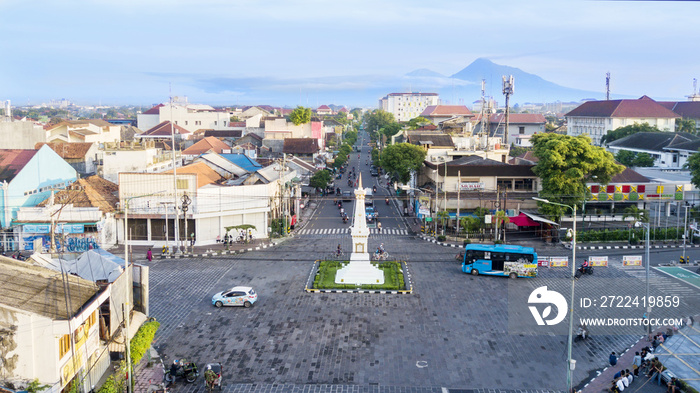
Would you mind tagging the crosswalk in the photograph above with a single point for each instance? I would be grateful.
(341, 231)
(661, 283)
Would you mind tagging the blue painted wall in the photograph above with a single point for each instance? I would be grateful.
(45, 170)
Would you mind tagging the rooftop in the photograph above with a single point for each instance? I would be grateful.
(163, 130)
(205, 175)
(209, 143)
(639, 108)
(446, 110)
(42, 291)
(300, 146)
(12, 161)
(653, 141)
(92, 191)
(74, 150)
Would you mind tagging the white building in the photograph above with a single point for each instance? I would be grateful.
(188, 116)
(46, 337)
(90, 130)
(596, 118)
(669, 150)
(521, 126)
(134, 157)
(406, 106)
(21, 134)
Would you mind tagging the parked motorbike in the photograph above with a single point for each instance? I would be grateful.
(187, 370)
(581, 333)
(583, 270)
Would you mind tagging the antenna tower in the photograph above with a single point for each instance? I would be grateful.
(508, 88)
(607, 86)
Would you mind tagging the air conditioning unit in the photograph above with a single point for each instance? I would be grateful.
(442, 159)
(433, 158)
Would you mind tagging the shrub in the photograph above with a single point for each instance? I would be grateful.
(142, 341)
(441, 238)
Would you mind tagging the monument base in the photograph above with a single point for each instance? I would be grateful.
(359, 271)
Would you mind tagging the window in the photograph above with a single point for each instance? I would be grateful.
(183, 184)
(214, 123)
(521, 130)
(185, 122)
(63, 345)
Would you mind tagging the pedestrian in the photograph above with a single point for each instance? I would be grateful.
(612, 359)
(379, 226)
(636, 363)
(673, 385)
(192, 239)
(149, 255)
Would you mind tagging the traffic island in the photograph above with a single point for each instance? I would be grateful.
(397, 279)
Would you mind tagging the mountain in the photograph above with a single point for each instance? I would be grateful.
(528, 87)
(424, 72)
(464, 87)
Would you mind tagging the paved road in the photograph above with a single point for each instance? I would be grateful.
(455, 331)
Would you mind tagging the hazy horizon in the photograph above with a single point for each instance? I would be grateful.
(310, 52)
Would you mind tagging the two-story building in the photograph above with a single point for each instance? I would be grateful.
(28, 177)
(439, 113)
(89, 130)
(50, 327)
(521, 126)
(191, 117)
(596, 118)
(143, 156)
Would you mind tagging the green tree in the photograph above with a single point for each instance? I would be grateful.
(443, 216)
(401, 159)
(644, 160)
(377, 120)
(517, 151)
(300, 115)
(233, 119)
(686, 125)
(637, 214)
(622, 132)
(693, 164)
(626, 157)
(320, 179)
(501, 217)
(565, 163)
(634, 159)
(390, 130)
(417, 122)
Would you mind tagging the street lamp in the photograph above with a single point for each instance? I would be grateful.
(571, 363)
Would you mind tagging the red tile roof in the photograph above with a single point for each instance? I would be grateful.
(155, 110)
(205, 145)
(236, 124)
(163, 130)
(74, 150)
(324, 107)
(12, 161)
(446, 110)
(205, 175)
(519, 118)
(412, 94)
(687, 109)
(300, 146)
(642, 107)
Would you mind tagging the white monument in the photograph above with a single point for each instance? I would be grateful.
(359, 270)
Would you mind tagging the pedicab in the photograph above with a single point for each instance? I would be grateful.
(214, 381)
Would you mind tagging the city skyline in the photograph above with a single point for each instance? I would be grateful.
(310, 52)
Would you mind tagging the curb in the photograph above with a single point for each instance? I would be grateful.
(218, 253)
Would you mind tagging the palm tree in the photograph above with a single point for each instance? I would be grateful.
(501, 217)
(443, 215)
(637, 214)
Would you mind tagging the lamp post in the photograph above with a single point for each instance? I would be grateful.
(570, 362)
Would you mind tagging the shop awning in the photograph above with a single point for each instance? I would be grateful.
(522, 220)
(539, 219)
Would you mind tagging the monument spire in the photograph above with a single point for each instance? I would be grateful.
(359, 181)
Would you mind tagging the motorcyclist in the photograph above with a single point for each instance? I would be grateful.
(386, 200)
(210, 377)
(338, 251)
(582, 331)
(174, 369)
(374, 189)
(342, 211)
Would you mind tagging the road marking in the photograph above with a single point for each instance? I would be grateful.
(684, 275)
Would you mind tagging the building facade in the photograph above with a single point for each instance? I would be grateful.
(596, 118)
(406, 106)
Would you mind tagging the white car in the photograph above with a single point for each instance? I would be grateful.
(236, 296)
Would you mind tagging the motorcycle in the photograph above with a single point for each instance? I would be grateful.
(342, 212)
(187, 370)
(581, 333)
(340, 204)
(345, 219)
(583, 270)
(386, 200)
(374, 189)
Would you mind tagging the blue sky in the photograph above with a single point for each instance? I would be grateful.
(128, 51)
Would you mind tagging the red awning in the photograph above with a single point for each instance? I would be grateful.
(522, 220)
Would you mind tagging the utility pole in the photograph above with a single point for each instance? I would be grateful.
(459, 189)
(508, 87)
(177, 215)
(498, 206)
(185, 206)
